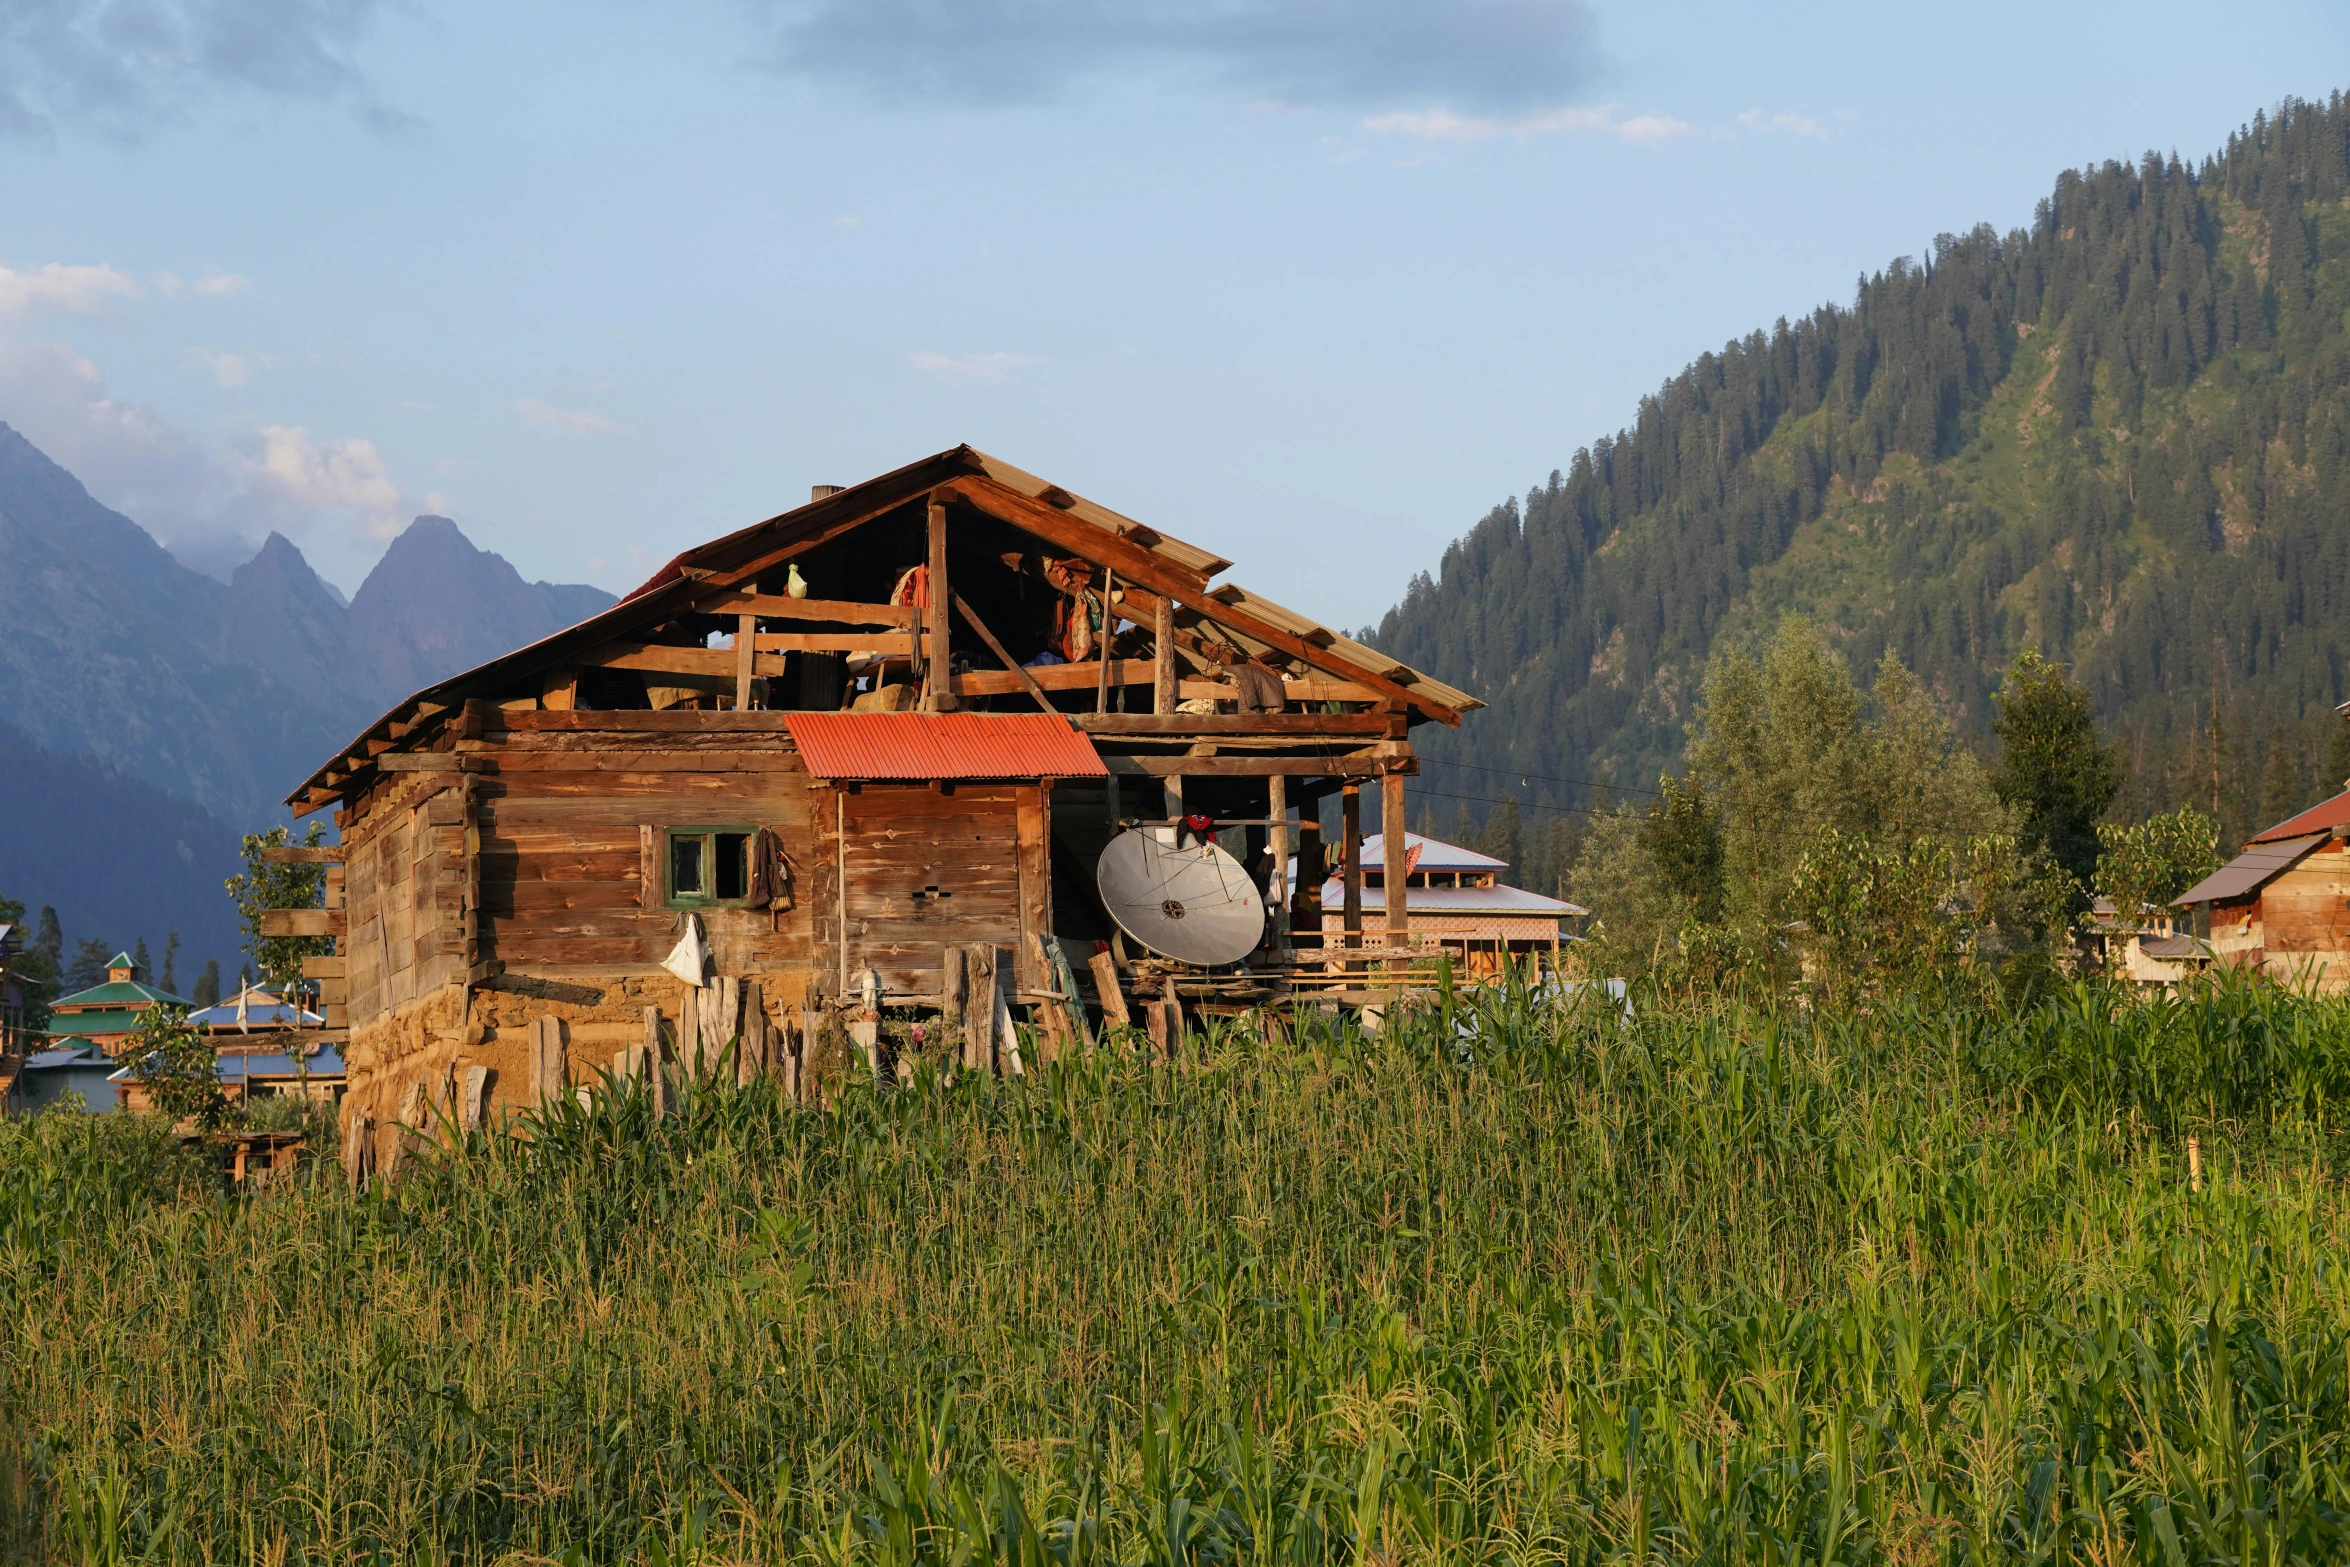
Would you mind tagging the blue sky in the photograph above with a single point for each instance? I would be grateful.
(1312, 283)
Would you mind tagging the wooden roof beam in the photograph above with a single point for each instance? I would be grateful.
(1140, 566)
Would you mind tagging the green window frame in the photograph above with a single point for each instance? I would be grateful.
(707, 867)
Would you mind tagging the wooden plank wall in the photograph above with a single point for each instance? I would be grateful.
(2305, 915)
(408, 886)
(569, 884)
(547, 858)
(928, 870)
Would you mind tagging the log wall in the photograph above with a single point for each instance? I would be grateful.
(525, 893)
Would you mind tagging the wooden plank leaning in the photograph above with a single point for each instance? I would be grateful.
(1105, 984)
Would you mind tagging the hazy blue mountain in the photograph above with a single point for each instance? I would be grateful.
(120, 859)
(436, 605)
(149, 713)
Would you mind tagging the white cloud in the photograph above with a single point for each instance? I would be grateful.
(229, 369)
(219, 285)
(848, 220)
(1784, 124)
(969, 367)
(296, 470)
(1606, 120)
(571, 421)
(61, 290)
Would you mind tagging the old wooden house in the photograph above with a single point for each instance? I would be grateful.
(868, 752)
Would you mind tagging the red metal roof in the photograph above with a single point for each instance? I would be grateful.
(2318, 818)
(924, 746)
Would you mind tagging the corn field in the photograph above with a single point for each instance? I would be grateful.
(1507, 1282)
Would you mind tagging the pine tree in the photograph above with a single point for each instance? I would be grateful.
(207, 993)
(139, 965)
(89, 964)
(171, 955)
(49, 942)
(2054, 773)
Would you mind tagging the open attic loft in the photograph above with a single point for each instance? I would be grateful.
(832, 606)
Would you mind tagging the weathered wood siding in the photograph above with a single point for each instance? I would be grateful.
(572, 850)
(926, 870)
(410, 889)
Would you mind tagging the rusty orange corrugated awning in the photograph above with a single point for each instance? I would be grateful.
(919, 747)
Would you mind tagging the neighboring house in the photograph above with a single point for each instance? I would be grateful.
(1457, 903)
(107, 1015)
(2149, 949)
(267, 1072)
(72, 1072)
(255, 1060)
(2283, 905)
(254, 1007)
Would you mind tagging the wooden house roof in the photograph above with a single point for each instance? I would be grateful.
(1141, 555)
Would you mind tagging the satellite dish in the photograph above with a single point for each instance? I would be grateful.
(1194, 905)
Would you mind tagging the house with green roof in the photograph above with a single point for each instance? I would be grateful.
(107, 1015)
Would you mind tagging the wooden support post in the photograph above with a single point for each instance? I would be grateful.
(560, 692)
(1395, 859)
(1277, 883)
(689, 1030)
(546, 1060)
(1305, 908)
(646, 1056)
(938, 691)
(745, 643)
(981, 1003)
(750, 1057)
(1163, 656)
(795, 1080)
(1105, 985)
(477, 1079)
(1350, 829)
(1103, 652)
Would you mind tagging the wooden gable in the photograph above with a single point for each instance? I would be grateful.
(1007, 546)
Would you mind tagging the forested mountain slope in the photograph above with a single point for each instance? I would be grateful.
(2121, 436)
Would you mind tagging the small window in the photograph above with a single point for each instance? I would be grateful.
(709, 866)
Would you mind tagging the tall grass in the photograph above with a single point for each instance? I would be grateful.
(1505, 1283)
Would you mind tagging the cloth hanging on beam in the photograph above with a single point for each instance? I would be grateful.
(1259, 688)
(770, 871)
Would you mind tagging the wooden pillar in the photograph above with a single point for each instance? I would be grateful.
(745, 647)
(1396, 861)
(938, 694)
(1350, 839)
(1163, 656)
(1277, 807)
(1305, 910)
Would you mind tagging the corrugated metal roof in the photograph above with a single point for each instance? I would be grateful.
(925, 746)
(2318, 818)
(2246, 873)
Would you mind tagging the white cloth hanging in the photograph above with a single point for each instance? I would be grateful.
(689, 960)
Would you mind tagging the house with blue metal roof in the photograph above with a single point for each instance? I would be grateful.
(1456, 902)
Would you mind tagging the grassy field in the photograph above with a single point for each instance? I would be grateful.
(1510, 1284)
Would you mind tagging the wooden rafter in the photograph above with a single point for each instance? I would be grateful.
(1140, 566)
